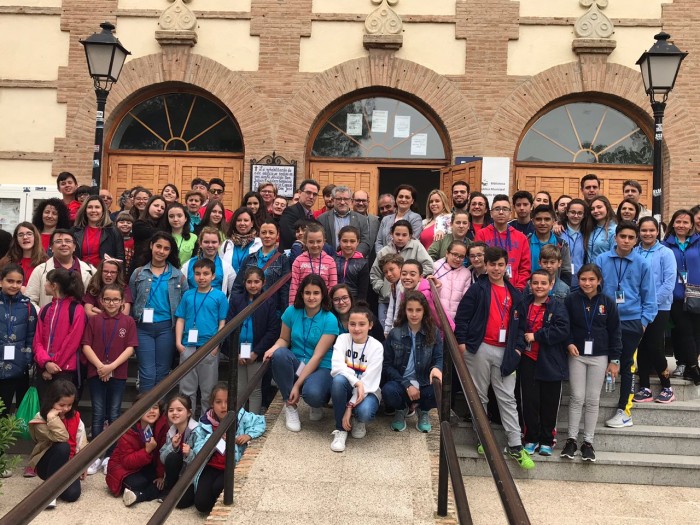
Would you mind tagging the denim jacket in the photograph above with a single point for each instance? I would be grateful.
(397, 350)
(273, 273)
(19, 314)
(140, 284)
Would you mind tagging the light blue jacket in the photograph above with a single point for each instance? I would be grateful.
(663, 267)
(599, 242)
(578, 251)
(633, 275)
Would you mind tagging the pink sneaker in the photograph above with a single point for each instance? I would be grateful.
(29, 472)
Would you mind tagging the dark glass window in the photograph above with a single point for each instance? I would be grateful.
(378, 127)
(178, 122)
(585, 132)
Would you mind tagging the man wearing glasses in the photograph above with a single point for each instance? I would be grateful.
(360, 205)
(63, 246)
(308, 193)
(341, 215)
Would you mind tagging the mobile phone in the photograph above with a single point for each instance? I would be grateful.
(147, 434)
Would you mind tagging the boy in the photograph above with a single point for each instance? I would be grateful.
(491, 341)
(193, 201)
(522, 202)
(544, 218)
(199, 316)
(390, 264)
(66, 183)
(550, 261)
(125, 221)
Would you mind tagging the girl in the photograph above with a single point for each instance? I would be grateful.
(599, 232)
(139, 198)
(301, 363)
(628, 210)
(16, 336)
(59, 330)
(357, 369)
(343, 302)
(157, 288)
(573, 234)
(477, 266)
(25, 250)
(650, 353)
(255, 203)
(542, 198)
(405, 196)
(107, 272)
(134, 468)
(209, 482)
(314, 262)
(451, 278)
(437, 219)
(108, 342)
(242, 238)
(59, 435)
(51, 214)
(258, 332)
(560, 206)
(213, 217)
(177, 452)
(179, 227)
(594, 353)
(412, 358)
(151, 220)
(125, 223)
(95, 238)
(353, 268)
(170, 193)
(479, 213)
(209, 243)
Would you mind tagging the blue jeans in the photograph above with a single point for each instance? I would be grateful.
(341, 392)
(155, 353)
(106, 400)
(396, 397)
(316, 390)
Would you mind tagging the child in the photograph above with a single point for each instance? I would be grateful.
(59, 435)
(451, 277)
(209, 244)
(258, 332)
(194, 201)
(595, 346)
(315, 261)
(59, 330)
(544, 218)
(356, 370)
(134, 467)
(209, 481)
(390, 265)
(201, 313)
(108, 342)
(109, 271)
(491, 340)
(177, 452)
(179, 227)
(125, 222)
(544, 366)
(353, 268)
(298, 247)
(551, 261)
(475, 254)
(412, 358)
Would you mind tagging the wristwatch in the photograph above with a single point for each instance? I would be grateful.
(615, 362)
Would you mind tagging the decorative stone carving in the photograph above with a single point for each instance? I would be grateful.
(177, 25)
(594, 24)
(383, 27)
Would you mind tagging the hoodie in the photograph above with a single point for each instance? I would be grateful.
(664, 271)
(56, 339)
(688, 261)
(515, 243)
(355, 273)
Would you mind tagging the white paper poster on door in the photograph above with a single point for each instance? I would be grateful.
(354, 124)
(495, 176)
(419, 144)
(380, 120)
(402, 126)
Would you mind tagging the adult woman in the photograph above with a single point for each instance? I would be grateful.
(209, 245)
(94, 236)
(179, 227)
(599, 231)
(170, 193)
(151, 220)
(242, 238)
(695, 210)
(213, 217)
(25, 250)
(139, 199)
(628, 210)
(437, 218)
(268, 192)
(405, 196)
(685, 246)
(278, 207)
(560, 206)
(479, 213)
(50, 215)
(572, 233)
(107, 272)
(300, 358)
(157, 288)
(255, 203)
(342, 301)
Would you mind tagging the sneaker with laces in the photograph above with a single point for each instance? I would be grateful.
(315, 414)
(523, 458)
(359, 430)
(679, 371)
(338, 443)
(587, 452)
(92, 469)
(569, 449)
(423, 423)
(643, 395)
(105, 462)
(291, 417)
(399, 422)
(619, 420)
(29, 472)
(530, 448)
(52, 504)
(665, 396)
(545, 450)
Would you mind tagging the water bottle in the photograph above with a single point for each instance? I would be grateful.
(609, 383)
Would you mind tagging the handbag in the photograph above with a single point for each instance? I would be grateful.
(692, 299)
(28, 408)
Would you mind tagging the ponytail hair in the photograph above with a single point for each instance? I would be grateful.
(69, 282)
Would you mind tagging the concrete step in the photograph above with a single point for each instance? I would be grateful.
(676, 414)
(684, 390)
(610, 467)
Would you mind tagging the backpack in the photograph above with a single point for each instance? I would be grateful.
(71, 311)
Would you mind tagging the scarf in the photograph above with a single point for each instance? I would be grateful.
(240, 239)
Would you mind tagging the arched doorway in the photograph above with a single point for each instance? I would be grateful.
(376, 142)
(567, 141)
(173, 137)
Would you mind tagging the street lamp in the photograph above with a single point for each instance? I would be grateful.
(105, 58)
(660, 66)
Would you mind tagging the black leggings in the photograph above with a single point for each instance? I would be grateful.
(540, 404)
(686, 335)
(173, 467)
(53, 459)
(210, 485)
(650, 352)
(142, 481)
(13, 388)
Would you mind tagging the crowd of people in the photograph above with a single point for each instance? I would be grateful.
(537, 291)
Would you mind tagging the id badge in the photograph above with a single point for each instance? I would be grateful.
(502, 335)
(192, 336)
(509, 271)
(573, 272)
(147, 315)
(683, 278)
(588, 347)
(246, 349)
(221, 447)
(528, 347)
(300, 368)
(620, 297)
(8, 353)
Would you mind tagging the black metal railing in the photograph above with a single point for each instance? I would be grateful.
(36, 501)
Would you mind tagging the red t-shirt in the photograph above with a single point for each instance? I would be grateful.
(116, 333)
(26, 264)
(90, 250)
(477, 227)
(128, 251)
(46, 241)
(535, 320)
(73, 207)
(499, 315)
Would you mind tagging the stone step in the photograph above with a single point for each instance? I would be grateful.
(676, 414)
(683, 390)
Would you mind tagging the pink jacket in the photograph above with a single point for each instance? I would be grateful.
(64, 347)
(305, 265)
(455, 284)
(424, 288)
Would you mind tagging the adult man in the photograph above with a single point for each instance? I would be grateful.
(67, 184)
(501, 235)
(460, 227)
(522, 202)
(590, 187)
(268, 192)
(460, 195)
(386, 205)
(543, 217)
(341, 215)
(328, 201)
(217, 187)
(202, 187)
(633, 190)
(627, 276)
(106, 197)
(360, 205)
(308, 192)
(63, 246)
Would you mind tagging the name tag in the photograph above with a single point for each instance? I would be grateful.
(300, 368)
(147, 315)
(572, 269)
(509, 271)
(620, 297)
(683, 278)
(502, 335)
(246, 349)
(221, 446)
(8, 353)
(588, 348)
(192, 335)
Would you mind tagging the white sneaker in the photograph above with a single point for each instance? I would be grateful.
(105, 462)
(51, 505)
(358, 429)
(619, 420)
(6, 474)
(339, 437)
(291, 416)
(315, 414)
(129, 497)
(92, 469)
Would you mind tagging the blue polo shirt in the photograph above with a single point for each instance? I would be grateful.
(210, 308)
(306, 332)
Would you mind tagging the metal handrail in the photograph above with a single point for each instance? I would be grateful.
(510, 498)
(49, 490)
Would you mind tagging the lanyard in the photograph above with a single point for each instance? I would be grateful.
(574, 240)
(589, 320)
(54, 323)
(155, 286)
(502, 308)
(311, 262)
(497, 239)
(8, 321)
(597, 233)
(194, 303)
(238, 255)
(345, 270)
(362, 355)
(532, 320)
(308, 332)
(108, 342)
(621, 273)
(443, 274)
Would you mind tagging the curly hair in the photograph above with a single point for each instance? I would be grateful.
(64, 222)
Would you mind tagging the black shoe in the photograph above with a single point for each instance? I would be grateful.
(569, 449)
(587, 452)
(692, 373)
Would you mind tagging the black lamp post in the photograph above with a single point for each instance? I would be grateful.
(105, 58)
(660, 66)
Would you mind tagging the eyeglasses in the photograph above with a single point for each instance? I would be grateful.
(500, 209)
(63, 241)
(344, 299)
(360, 201)
(266, 192)
(109, 272)
(310, 193)
(216, 191)
(25, 234)
(457, 255)
(342, 199)
(476, 255)
(110, 300)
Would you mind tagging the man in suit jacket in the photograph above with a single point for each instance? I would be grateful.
(360, 205)
(341, 215)
(308, 192)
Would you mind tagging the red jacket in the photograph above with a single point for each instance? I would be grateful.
(64, 348)
(518, 248)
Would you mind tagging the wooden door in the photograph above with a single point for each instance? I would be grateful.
(227, 169)
(355, 176)
(469, 172)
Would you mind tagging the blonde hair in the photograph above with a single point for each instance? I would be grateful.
(445, 204)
